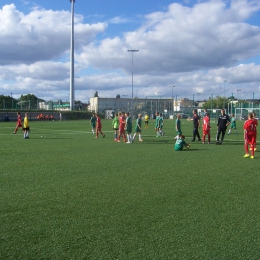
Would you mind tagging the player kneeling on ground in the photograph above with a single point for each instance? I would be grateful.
(180, 143)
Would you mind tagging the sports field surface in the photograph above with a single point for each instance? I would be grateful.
(66, 195)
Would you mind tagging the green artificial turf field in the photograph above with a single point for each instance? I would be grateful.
(66, 195)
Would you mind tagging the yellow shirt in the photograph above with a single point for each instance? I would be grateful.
(25, 122)
(146, 117)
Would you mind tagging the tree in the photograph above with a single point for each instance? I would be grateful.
(30, 97)
(118, 96)
(216, 103)
(96, 94)
(6, 101)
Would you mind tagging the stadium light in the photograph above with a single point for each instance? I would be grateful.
(158, 101)
(225, 94)
(132, 51)
(172, 101)
(238, 90)
(198, 96)
(72, 90)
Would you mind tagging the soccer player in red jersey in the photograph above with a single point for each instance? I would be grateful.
(122, 121)
(19, 122)
(250, 135)
(206, 128)
(98, 126)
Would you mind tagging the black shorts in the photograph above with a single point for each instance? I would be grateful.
(115, 129)
(26, 128)
(146, 122)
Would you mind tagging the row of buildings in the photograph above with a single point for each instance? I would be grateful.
(150, 105)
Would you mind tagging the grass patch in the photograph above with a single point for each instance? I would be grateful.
(66, 195)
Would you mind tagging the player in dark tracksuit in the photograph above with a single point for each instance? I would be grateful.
(223, 122)
(196, 125)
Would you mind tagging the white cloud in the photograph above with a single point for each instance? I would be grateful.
(195, 48)
(182, 39)
(40, 35)
(119, 20)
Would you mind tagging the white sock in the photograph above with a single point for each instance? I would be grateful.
(134, 136)
(140, 137)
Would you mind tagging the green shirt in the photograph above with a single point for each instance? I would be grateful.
(178, 126)
(138, 123)
(129, 124)
(233, 122)
(179, 144)
(115, 122)
(157, 121)
(93, 120)
(160, 121)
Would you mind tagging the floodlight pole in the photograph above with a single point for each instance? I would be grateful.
(12, 99)
(158, 101)
(225, 94)
(72, 90)
(253, 101)
(132, 51)
(172, 101)
(198, 97)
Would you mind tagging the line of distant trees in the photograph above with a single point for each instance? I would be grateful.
(29, 101)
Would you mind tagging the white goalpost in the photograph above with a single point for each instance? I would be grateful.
(241, 113)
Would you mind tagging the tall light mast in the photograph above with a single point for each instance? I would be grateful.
(72, 94)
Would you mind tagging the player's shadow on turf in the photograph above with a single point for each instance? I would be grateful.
(234, 143)
(159, 142)
(57, 138)
(192, 150)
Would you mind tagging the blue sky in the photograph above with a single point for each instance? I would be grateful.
(194, 45)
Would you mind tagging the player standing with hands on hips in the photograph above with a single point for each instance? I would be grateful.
(223, 122)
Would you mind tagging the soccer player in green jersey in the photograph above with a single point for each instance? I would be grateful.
(233, 124)
(128, 128)
(178, 125)
(138, 128)
(161, 123)
(115, 126)
(157, 128)
(180, 143)
(93, 120)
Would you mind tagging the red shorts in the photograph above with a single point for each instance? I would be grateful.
(206, 132)
(19, 125)
(121, 130)
(250, 139)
